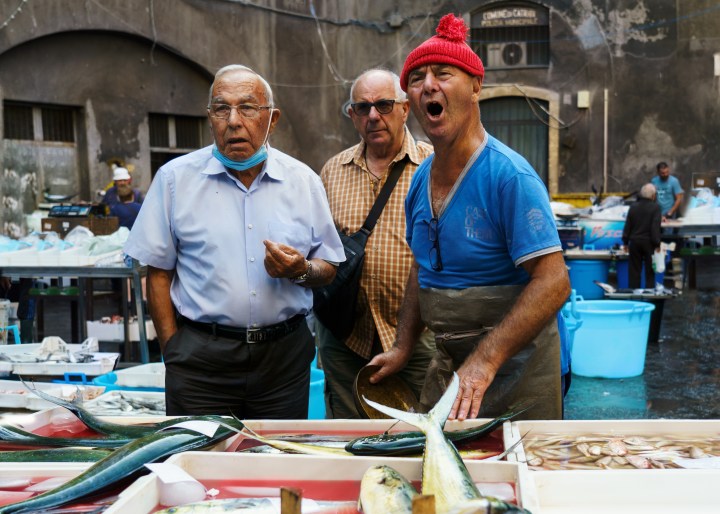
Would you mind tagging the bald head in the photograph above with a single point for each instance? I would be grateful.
(377, 74)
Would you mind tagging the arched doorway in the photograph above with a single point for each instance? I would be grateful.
(523, 118)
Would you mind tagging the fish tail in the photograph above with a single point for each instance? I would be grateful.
(438, 415)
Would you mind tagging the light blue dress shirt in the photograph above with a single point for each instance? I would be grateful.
(204, 223)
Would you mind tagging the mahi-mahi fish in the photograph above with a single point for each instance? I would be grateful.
(444, 474)
(384, 490)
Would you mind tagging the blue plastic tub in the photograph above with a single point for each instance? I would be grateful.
(623, 276)
(583, 273)
(316, 409)
(108, 380)
(612, 340)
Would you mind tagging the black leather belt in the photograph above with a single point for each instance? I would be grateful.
(249, 335)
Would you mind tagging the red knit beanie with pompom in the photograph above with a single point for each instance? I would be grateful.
(448, 46)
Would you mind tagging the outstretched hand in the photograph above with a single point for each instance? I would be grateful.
(474, 381)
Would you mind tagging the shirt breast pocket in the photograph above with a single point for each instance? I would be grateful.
(291, 234)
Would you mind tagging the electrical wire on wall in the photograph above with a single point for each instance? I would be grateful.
(12, 15)
(535, 106)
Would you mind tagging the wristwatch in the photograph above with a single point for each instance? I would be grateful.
(302, 278)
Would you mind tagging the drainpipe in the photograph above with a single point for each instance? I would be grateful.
(605, 142)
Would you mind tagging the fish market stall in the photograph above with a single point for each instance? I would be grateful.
(658, 466)
(14, 395)
(55, 358)
(127, 403)
(323, 479)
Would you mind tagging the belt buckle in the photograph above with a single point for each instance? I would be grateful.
(255, 335)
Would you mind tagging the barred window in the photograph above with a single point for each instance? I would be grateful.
(512, 35)
(18, 121)
(159, 134)
(172, 136)
(57, 124)
(187, 131)
(39, 122)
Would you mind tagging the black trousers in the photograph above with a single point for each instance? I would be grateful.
(640, 252)
(205, 374)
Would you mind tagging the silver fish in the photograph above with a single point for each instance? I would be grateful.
(249, 506)
(444, 473)
(384, 490)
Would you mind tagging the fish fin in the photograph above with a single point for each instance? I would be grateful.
(252, 434)
(438, 414)
(45, 396)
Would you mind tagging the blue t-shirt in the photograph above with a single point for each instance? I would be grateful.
(666, 192)
(126, 213)
(497, 217)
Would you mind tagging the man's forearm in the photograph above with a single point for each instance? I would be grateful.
(410, 324)
(542, 298)
(321, 273)
(160, 305)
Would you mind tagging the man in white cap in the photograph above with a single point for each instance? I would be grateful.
(122, 199)
(489, 276)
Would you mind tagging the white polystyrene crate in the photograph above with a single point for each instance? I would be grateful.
(14, 395)
(143, 495)
(98, 406)
(104, 363)
(24, 257)
(514, 431)
(116, 331)
(667, 491)
(144, 375)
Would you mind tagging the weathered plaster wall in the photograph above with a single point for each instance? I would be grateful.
(120, 59)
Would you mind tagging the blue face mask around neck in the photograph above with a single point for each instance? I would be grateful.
(246, 164)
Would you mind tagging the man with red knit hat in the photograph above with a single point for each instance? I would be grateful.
(488, 275)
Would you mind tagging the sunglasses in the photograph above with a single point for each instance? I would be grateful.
(382, 106)
(434, 237)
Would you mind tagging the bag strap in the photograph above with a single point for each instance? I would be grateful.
(384, 195)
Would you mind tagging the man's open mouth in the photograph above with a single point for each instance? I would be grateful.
(434, 109)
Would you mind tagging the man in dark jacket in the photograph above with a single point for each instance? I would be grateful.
(642, 236)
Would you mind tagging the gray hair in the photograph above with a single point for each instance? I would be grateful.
(399, 93)
(239, 67)
(647, 191)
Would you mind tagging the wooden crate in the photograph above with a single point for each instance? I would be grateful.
(98, 226)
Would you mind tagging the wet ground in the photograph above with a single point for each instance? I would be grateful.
(681, 379)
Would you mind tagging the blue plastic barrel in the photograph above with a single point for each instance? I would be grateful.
(583, 273)
(623, 276)
(612, 340)
(316, 409)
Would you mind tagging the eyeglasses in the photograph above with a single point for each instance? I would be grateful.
(382, 106)
(223, 111)
(434, 237)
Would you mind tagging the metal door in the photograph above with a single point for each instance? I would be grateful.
(522, 124)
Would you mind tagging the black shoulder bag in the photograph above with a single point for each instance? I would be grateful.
(334, 304)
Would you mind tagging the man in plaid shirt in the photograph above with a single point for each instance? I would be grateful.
(352, 179)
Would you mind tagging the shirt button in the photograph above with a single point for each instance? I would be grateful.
(252, 259)
(254, 325)
(250, 225)
(254, 293)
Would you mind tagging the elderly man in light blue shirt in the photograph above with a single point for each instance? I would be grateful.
(234, 236)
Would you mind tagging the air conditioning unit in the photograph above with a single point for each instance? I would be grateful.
(507, 55)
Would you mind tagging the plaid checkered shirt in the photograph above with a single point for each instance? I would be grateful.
(351, 194)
